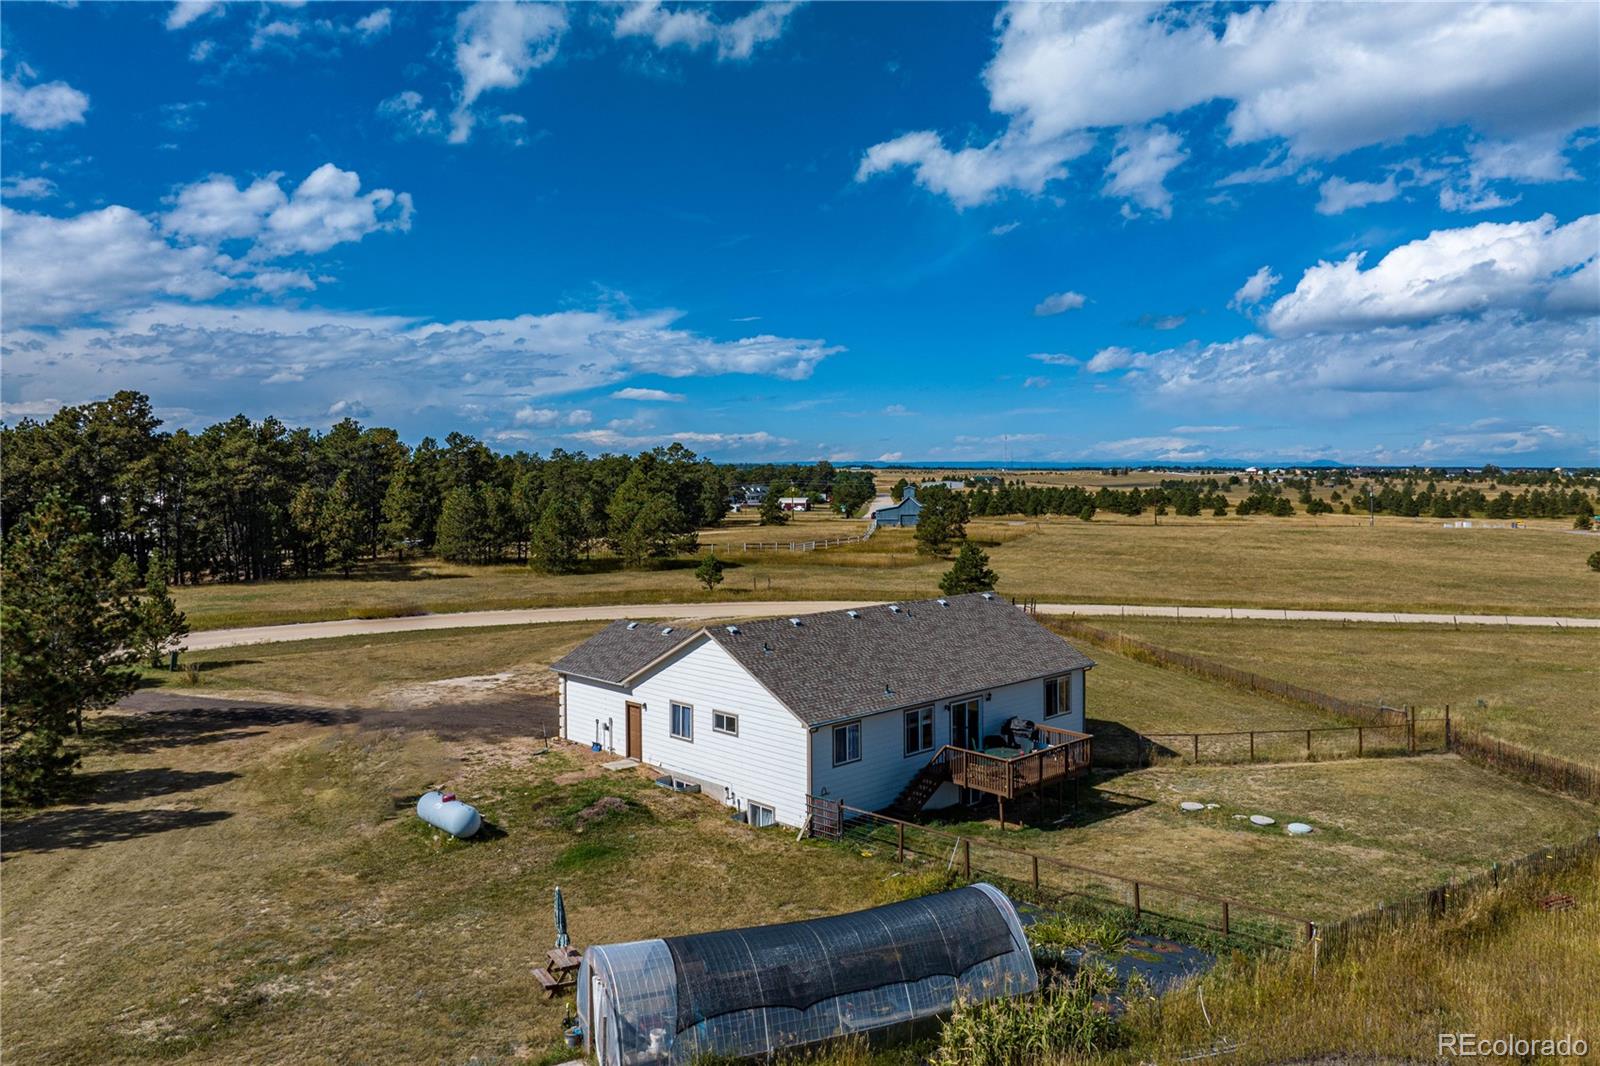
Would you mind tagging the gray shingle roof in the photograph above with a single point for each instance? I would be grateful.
(621, 649)
(833, 666)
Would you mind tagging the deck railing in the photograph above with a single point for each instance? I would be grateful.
(1067, 755)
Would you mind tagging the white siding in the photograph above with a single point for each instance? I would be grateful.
(884, 769)
(766, 762)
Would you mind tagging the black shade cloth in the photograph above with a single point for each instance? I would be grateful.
(800, 964)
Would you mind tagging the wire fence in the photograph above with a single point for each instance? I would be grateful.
(1046, 879)
(1415, 736)
(1135, 648)
(754, 546)
(1546, 771)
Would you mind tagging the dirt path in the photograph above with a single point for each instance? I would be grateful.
(228, 638)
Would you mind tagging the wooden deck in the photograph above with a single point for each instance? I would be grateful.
(1067, 756)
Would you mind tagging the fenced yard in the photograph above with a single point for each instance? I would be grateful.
(1412, 737)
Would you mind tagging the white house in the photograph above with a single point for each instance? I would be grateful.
(847, 705)
(795, 503)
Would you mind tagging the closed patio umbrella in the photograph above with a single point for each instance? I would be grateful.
(561, 921)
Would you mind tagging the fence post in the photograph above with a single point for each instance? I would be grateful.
(1036, 873)
(966, 858)
(1252, 745)
(1136, 908)
(1308, 745)
(901, 843)
(1361, 741)
(1197, 747)
(1225, 924)
(1411, 730)
(1447, 727)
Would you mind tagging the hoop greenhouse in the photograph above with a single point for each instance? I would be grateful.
(751, 991)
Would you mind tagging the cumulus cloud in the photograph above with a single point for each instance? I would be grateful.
(186, 12)
(1056, 358)
(694, 27)
(1336, 195)
(649, 395)
(1168, 449)
(1115, 358)
(758, 441)
(43, 105)
(497, 45)
(1380, 74)
(1256, 287)
(375, 24)
(1139, 167)
(15, 187)
(550, 416)
(1056, 303)
(102, 261)
(300, 360)
(1512, 265)
(410, 115)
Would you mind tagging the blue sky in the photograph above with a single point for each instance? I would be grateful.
(856, 231)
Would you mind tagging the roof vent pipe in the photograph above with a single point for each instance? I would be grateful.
(942, 602)
(853, 614)
(795, 622)
(734, 630)
(632, 626)
(666, 631)
(894, 608)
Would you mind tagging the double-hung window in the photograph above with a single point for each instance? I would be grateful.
(723, 722)
(760, 815)
(846, 743)
(919, 730)
(682, 721)
(1057, 695)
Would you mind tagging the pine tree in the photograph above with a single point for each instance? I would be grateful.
(772, 512)
(305, 518)
(557, 536)
(160, 626)
(341, 525)
(941, 522)
(66, 644)
(402, 505)
(459, 534)
(970, 573)
(709, 571)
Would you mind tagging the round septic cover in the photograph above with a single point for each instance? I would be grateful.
(1261, 819)
(1191, 805)
(1299, 829)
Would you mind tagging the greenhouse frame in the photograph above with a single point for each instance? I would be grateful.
(748, 992)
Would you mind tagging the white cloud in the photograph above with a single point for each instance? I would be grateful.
(329, 208)
(277, 30)
(1056, 303)
(407, 111)
(891, 457)
(1115, 358)
(1056, 358)
(760, 441)
(1513, 265)
(497, 45)
(1256, 287)
(375, 24)
(1377, 74)
(202, 51)
(550, 416)
(1003, 228)
(200, 356)
(45, 106)
(648, 395)
(694, 27)
(35, 188)
(1036, 383)
(1140, 164)
(1169, 449)
(1206, 429)
(1338, 195)
(898, 410)
(187, 12)
(1499, 437)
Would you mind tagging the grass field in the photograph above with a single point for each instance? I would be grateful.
(259, 892)
(1301, 562)
(1535, 687)
(1382, 828)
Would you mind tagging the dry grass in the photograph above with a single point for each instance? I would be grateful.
(265, 895)
(1383, 828)
(1535, 687)
(1331, 561)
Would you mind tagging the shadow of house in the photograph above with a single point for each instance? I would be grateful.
(124, 786)
(150, 721)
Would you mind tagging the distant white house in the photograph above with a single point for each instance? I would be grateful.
(855, 706)
(795, 503)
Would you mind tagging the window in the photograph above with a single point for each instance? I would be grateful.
(761, 816)
(1053, 702)
(919, 730)
(846, 743)
(723, 722)
(683, 721)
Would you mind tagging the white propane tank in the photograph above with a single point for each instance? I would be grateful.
(444, 811)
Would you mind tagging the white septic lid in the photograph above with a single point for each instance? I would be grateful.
(1298, 829)
(1261, 819)
(1191, 805)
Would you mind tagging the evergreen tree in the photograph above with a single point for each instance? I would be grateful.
(305, 518)
(970, 573)
(160, 626)
(653, 534)
(66, 644)
(401, 511)
(941, 522)
(1583, 521)
(459, 535)
(709, 572)
(557, 537)
(772, 512)
(898, 491)
(1594, 561)
(342, 525)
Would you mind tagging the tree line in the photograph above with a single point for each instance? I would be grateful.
(246, 500)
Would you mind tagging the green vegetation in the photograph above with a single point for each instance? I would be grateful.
(1534, 687)
(1063, 1020)
(709, 572)
(970, 573)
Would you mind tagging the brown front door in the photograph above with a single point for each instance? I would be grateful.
(635, 731)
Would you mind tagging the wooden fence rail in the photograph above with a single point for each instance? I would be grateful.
(1547, 771)
(1046, 877)
(756, 546)
(1412, 737)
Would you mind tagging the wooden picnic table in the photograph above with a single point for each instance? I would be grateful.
(562, 959)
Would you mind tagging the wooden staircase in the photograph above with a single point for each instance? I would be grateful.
(920, 789)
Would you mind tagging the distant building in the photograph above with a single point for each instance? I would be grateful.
(904, 513)
(944, 484)
(795, 503)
